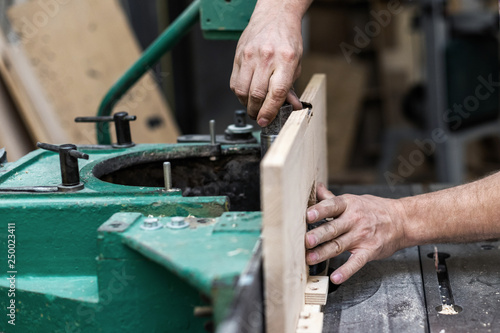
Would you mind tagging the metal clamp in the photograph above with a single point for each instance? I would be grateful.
(269, 133)
(70, 173)
(122, 126)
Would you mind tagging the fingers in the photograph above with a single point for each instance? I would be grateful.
(325, 232)
(332, 242)
(355, 262)
(323, 193)
(241, 78)
(280, 84)
(258, 91)
(332, 207)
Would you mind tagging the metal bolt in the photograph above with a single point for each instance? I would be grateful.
(151, 223)
(167, 175)
(177, 222)
(212, 131)
(240, 119)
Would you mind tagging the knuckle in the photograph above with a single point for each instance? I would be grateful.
(248, 53)
(239, 92)
(359, 260)
(289, 55)
(267, 52)
(331, 229)
(280, 92)
(257, 95)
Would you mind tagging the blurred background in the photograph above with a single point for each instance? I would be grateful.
(412, 85)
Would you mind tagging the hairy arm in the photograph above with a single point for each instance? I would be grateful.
(267, 59)
(373, 228)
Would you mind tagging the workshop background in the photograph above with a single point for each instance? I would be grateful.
(378, 57)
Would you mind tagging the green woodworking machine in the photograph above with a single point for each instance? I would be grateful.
(137, 238)
(124, 237)
(133, 238)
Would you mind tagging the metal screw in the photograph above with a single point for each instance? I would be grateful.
(167, 175)
(212, 131)
(151, 223)
(177, 222)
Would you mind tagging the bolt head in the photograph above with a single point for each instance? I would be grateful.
(177, 222)
(151, 223)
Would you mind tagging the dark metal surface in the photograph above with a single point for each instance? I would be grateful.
(384, 296)
(474, 283)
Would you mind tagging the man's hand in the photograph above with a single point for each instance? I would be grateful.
(267, 59)
(368, 227)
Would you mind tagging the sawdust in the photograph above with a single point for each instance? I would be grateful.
(448, 310)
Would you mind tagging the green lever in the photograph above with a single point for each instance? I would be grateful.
(164, 43)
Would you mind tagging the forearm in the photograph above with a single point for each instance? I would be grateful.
(464, 213)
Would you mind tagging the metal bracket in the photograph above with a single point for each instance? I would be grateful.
(239, 222)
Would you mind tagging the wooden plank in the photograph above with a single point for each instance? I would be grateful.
(289, 172)
(82, 48)
(13, 134)
(27, 94)
(316, 290)
(310, 323)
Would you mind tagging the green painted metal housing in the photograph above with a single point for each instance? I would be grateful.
(84, 264)
(225, 19)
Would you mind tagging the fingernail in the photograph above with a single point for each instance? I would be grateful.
(312, 215)
(263, 122)
(337, 278)
(313, 256)
(311, 240)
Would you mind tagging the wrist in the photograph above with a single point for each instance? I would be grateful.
(282, 9)
(401, 217)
